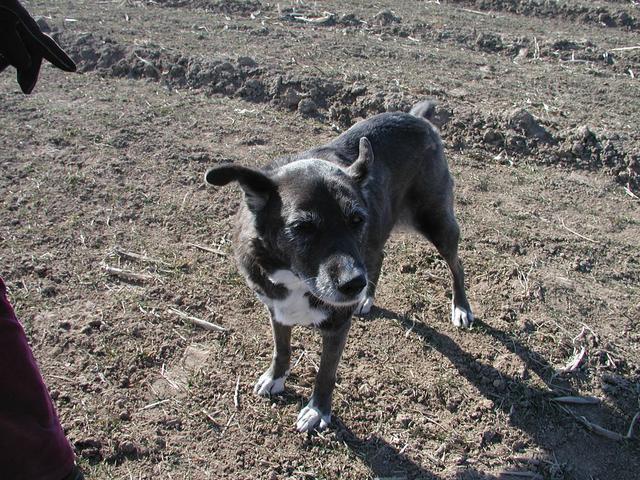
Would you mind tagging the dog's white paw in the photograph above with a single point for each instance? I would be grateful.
(364, 307)
(461, 317)
(267, 385)
(310, 418)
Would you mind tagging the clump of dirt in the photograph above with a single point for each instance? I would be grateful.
(582, 148)
(386, 17)
(238, 7)
(517, 133)
(554, 9)
(523, 122)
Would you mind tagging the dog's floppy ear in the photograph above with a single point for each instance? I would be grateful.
(256, 185)
(359, 170)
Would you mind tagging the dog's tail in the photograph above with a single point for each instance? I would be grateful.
(425, 109)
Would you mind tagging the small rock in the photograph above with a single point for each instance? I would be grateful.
(386, 17)
(358, 89)
(499, 384)
(440, 116)
(307, 107)
(127, 448)
(585, 134)
(365, 390)
(489, 436)
(583, 265)
(64, 325)
(247, 62)
(89, 448)
(407, 268)
(253, 89)
(577, 148)
(291, 98)
(523, 121)
(404, 420)
(87, 329)
(489, 42)
(519, 446)
(177, 72)
(95, 323)
(224, 67)
(41, 270)
(49, 290)
(492, 136)
(124, 416)
(160, 442)
(605, 19)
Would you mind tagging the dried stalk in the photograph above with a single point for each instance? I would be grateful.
(197, 321)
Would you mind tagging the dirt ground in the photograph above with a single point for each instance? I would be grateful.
(539, 110)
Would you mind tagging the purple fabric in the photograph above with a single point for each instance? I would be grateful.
(32, 443)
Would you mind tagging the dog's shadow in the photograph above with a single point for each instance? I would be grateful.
(387, 462)
(541, 411)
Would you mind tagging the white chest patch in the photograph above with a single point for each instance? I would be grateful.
(295, 308)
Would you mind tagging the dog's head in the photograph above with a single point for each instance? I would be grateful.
(312, 214)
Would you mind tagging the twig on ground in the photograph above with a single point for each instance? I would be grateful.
(595, 428)
(155, 404)
(302, 354)
(233, 415)
(209, 417)
(621, 49)
(327, 19)
(578, 234)
(477, 12)
(631, 194)
(175, 385)
(207, 249)
(236, 393)
(197, 321)
(577, 400)
(575, 361)
(127, 274)
(525, 474)
(137, 256)
(66, 379)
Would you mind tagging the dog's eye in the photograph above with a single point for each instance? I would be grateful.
(356, 220)
(303, 228)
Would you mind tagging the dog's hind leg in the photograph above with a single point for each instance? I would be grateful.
(272, 381)
(441, 228)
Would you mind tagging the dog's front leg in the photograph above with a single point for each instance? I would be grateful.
(272, 381)
(317, 413)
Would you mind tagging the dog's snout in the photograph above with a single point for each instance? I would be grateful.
(353, 286)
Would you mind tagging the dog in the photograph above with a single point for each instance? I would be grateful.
(310, 234)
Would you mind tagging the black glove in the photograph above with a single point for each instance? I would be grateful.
(23, 45)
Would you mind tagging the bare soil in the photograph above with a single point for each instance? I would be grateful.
(539, 110)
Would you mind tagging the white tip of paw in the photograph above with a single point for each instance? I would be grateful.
(364, 307)
(310, 418)
(267, 385)
(461, 317)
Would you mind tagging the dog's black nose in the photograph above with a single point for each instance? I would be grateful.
(354, 286)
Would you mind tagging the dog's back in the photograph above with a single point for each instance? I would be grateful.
(411, 172)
